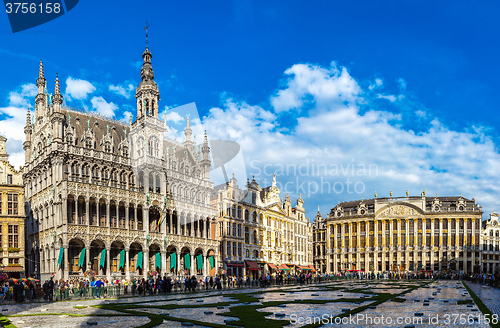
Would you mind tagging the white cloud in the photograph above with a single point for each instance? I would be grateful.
(337, 136)
(376, 84)
(391, 98)
(22, 98)
(103, 107)
(420, 113)
(12, 127)
(125, 91)
(78, 89)
(174, 117)
(324, 85)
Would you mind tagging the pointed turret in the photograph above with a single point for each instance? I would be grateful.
(40, 97)
(57, 98)
(27, 131)
(206, 159)
(188, 132)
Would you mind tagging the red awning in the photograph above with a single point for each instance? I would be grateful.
(312, 268)
(252, 265)
(237, 265)
(272, 266)
(304, 267)
(13, 269)
(284, 267)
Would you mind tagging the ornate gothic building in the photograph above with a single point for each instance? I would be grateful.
(120, 199)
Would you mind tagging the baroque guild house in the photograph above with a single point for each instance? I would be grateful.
(400, 234)
(12, 217)
(259, 233)
(119, 199)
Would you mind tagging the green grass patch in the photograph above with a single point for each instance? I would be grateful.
(6, 322)
(249, 317)
(483, 308)
(80, 306)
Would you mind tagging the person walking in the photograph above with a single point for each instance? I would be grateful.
(51, 286)
(98, 285)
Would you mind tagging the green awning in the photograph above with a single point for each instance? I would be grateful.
(61, 253)
(212, 262)
(187, 261)
(199, 262)
(102, 262)
(81, 261)
(122, 259)
(158, 260)
(139, 260)
(173, 261)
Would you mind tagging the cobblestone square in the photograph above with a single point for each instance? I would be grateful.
(345, 303)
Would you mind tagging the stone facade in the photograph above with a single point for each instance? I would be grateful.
(400, 234)
(490, 239)
(259, 232)
(12, 216)
(120, 199)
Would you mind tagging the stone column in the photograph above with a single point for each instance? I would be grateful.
(77, 221)
(164, 263)
(178, 223)
(66, 263)
(108, 213)
(127, 263)
(178, 255)
(392, 248)
(407, 238)
(64, 218)
(108, 262)
(170, 222)
(98, 211)
(87, 214)
(135, 217)
(145, 265)
(193, 264)
(145, 218)
(205, 262)
(87, 257)
(424, 243)
(127, 209)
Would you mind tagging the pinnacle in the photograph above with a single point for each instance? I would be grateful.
(40, 70)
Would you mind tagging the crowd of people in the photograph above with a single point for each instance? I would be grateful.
(52, 289)
(492, 280)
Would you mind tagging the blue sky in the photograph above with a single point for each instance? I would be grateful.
(404, 86)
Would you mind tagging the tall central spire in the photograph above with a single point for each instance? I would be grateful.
(147, 92)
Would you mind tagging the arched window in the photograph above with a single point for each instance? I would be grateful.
(140, 146)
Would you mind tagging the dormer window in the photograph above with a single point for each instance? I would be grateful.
(69, 138)
(107, 147)
(89, 143)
